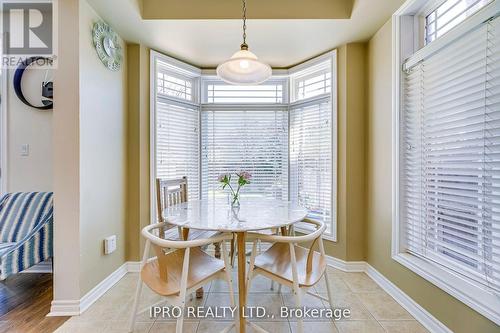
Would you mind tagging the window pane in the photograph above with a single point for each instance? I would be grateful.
(313, 86)
(265, 93)
(312, 82)
(172, 86)
(448, 15)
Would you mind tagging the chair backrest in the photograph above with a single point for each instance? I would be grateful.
(314, 237)
(152, 234)
(170, 192)
(21, 212)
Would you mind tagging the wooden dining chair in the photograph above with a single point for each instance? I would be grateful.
(179, 268)
(289, 264)
(171, 192)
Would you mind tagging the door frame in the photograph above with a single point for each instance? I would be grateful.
(3, 130)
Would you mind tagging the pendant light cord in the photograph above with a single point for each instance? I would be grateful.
(244, 45)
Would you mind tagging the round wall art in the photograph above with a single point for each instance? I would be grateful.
(107, 45)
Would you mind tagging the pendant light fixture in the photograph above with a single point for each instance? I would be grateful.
(244, 68)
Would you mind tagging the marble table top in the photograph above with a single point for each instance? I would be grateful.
(253, 214)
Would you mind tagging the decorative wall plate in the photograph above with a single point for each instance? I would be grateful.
(107, 45)
(46, 95)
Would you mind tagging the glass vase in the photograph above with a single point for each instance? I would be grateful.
(235, 201)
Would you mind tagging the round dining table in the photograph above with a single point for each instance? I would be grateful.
(251, 215)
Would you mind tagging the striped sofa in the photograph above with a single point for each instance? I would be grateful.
(26, 222)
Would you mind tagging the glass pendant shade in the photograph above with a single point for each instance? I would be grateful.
(244, 68)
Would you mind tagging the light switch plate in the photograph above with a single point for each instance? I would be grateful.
(25, 149)
(110, 244)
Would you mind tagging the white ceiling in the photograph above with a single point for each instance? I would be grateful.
(281, 43)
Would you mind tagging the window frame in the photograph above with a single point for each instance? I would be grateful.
(428, 9)
(406, 41)
(206, 80)
(301, 71)
(178, 68)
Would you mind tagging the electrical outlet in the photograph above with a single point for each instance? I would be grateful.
(110, 244)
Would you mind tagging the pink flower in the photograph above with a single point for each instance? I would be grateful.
(223, 177)
(245, 175)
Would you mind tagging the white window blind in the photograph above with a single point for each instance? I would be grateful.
(246, 139)
(311, 157)
(450, 157)
(448, 15)
(177, 142)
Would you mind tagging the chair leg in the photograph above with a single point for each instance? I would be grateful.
(298, 303)
(180, 321)
(272, 285)
(250, 268)
(329, 289)
(138, 291)
(183, 291)
(279, 288)
(229, 277)
(233, 252)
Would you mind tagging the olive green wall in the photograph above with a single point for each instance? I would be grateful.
(138, 124)
(451, 312)
(351, 60)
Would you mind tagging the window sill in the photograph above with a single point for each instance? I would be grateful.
(467, 291)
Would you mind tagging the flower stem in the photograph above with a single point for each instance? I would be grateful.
(232, 191)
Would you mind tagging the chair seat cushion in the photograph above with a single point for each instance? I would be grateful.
(201, 267)
(5, 247)
(276, 261)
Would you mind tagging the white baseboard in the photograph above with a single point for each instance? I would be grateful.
(64, 308)
(419, 313)
(99, 290)
(77, 307)
(346, 266)
(133, 266)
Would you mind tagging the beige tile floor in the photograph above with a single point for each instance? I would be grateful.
(372, 310)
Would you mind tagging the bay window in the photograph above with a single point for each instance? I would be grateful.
(282, 132)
